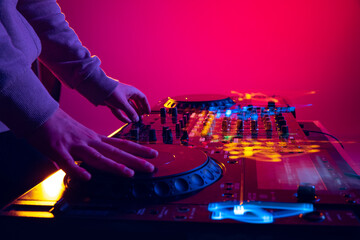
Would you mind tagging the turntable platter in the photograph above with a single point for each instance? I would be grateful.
(174, 159)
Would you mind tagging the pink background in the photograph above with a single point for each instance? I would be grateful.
(167, 48)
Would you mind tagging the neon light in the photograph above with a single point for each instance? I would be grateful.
(228, 113)
(254, 212)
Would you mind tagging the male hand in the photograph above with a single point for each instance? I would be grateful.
(65, 140)
(128, 103)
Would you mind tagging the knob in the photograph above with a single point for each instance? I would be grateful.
(225, 124)
(177, 129)
(152, 135)
(174, 112)
(168, 137)
(315, 216)
(240, 125)
(253, 125)
(271, 104)
(163, 112)
(181, 122)
(279, 118)
(268, 126)
(164, 130)
(185, 135)
(306, 192)
(284, 129)
(134, 134)
(185, 119)
(281, 123)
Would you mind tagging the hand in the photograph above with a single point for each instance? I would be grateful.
(63, 140)
(128, 103)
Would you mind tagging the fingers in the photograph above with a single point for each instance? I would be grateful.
(129, 111)
(120, 115)
(97, 160)
(123, 157)
(67, 163)
(131, 147)
(129, 100)
(141, 100)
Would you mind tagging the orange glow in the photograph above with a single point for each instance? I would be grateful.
(53, 186)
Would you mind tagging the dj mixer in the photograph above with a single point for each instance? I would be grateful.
(227, 165)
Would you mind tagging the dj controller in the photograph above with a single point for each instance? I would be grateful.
(227, 165)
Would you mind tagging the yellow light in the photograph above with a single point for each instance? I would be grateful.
(313, 150)
(247, 96)
(53, 186)
(234, 152)
(234, 157)
(230, 145)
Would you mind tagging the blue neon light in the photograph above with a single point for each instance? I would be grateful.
(228, 113)
(254, 212)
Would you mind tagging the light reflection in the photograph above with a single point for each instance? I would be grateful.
(268, 151)
(53, 186)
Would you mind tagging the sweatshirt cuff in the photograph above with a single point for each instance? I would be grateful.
(25, 104)
(97, 87)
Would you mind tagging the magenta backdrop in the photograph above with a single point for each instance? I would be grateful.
(167, 48)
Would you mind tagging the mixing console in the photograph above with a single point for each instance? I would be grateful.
(230, 160)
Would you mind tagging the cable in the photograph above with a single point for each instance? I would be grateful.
(308, 131)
